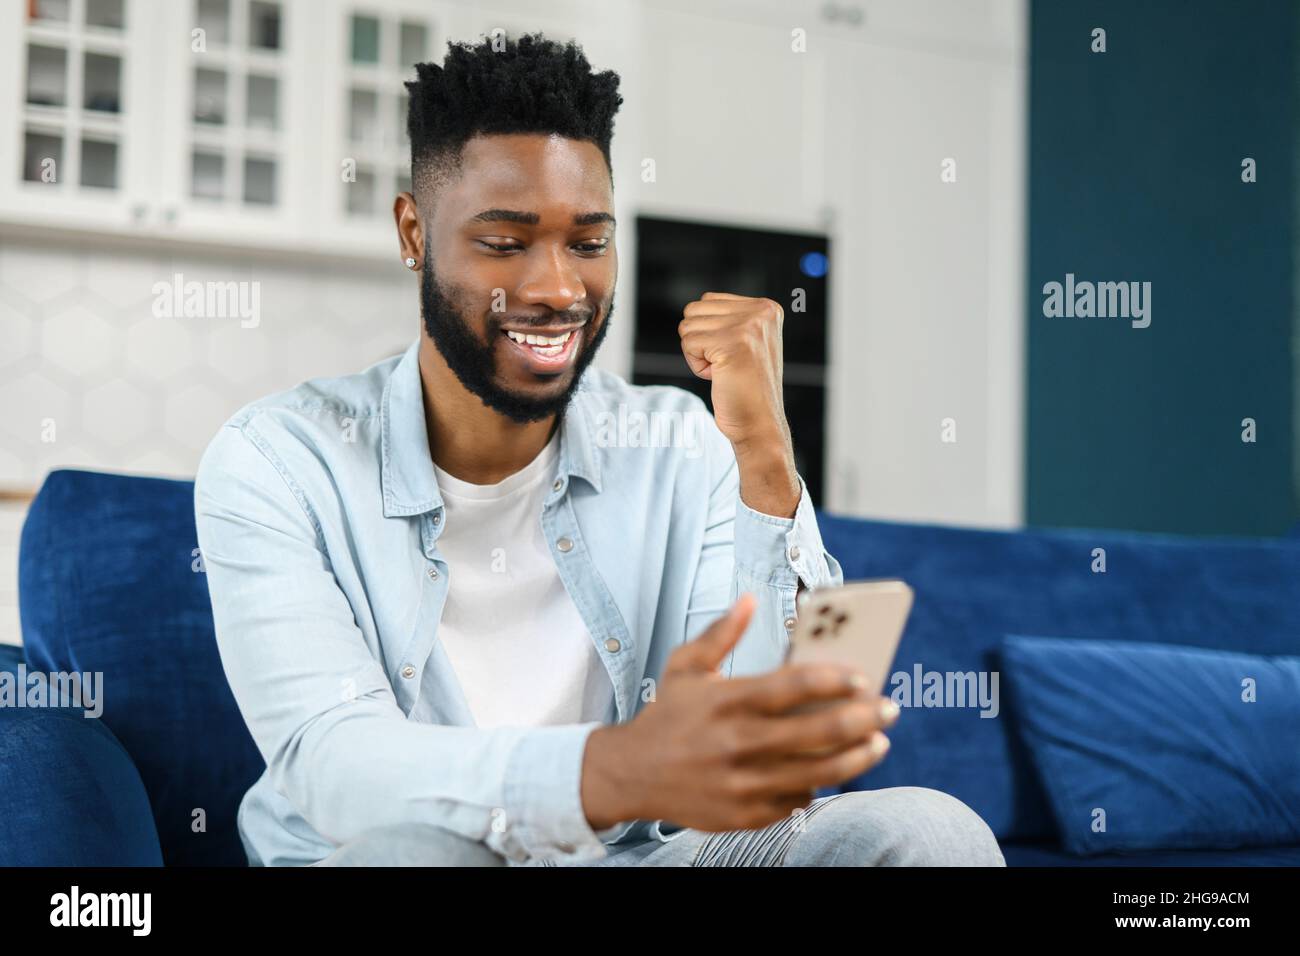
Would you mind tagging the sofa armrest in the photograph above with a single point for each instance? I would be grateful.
(69, 792)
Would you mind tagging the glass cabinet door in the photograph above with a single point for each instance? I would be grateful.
(234, 121)
(377, 46)
(80, 108)
(381, 50)
(274, 124)
(366, 159)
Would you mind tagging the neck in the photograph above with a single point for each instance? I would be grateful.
(467, 439)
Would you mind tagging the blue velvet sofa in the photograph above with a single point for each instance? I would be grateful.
(110, 582)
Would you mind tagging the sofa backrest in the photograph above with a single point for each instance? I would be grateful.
(973, 587)
(110, 582)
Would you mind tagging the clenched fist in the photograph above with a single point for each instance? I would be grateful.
(734, 341)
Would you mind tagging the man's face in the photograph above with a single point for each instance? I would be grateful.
(522, 242)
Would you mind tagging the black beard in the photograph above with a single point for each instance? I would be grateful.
(474, 363)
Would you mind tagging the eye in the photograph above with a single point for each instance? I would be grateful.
(593, 248)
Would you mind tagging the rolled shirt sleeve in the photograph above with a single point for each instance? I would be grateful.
(319, 705)
(747, 550)
(774, 557)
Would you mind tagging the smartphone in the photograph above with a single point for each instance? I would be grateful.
(858, 623)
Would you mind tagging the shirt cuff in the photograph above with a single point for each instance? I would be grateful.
(616, 832)
(657, 831)
(543, 794)
(783, 551)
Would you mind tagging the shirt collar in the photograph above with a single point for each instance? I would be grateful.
(408, 481)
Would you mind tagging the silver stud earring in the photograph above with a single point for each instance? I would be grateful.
(410, 262)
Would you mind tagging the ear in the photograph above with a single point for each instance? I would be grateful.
(410, 234)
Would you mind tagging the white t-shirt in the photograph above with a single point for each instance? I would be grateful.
(519, 647)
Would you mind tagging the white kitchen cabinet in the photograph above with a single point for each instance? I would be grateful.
(233, 121)
(166, 119)
(275, 125)
(734, 117)
(364, 158)
(848, 139)
(927, 277)
(77, 95)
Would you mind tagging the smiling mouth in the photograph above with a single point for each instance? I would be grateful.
(541, 344)
(544, 351)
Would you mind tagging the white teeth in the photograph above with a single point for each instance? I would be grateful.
(547, 345)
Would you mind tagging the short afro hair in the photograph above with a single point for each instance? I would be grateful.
(532, 85)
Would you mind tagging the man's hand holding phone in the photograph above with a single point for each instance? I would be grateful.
(717, 754)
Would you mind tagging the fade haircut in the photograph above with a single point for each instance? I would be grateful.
(532, 85)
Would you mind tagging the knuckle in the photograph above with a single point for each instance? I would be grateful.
(820, 681)
(731, 743)
(738, 786)
(863, 757)
(846, 724)
(848, 764)
(809, 681)
(826, 676)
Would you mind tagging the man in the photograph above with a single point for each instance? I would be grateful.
(467, 622)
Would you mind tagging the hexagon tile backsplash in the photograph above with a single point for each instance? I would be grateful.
(98, 369)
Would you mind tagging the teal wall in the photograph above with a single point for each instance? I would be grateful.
(1135, 174)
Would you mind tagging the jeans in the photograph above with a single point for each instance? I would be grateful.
(898, 826)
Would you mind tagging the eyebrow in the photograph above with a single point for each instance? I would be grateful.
(532, 218)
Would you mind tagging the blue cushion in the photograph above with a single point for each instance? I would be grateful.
(1158, 744)
(106, 583)
(69, 793)
(10, 656)
(972, 587)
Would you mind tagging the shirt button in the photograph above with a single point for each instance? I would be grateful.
(789, 623)
(437, 519)
(433, 574)
(613, 645)
(564, 544)
(564, 846)
(559, 483)
(794, 553)
(408, 671)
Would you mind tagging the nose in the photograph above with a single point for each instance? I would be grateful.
(552, 279)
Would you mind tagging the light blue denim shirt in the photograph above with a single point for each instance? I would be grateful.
(318, 520)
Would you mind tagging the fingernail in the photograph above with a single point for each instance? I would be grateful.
(888, 712)
(879, 745)
(858, 681)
